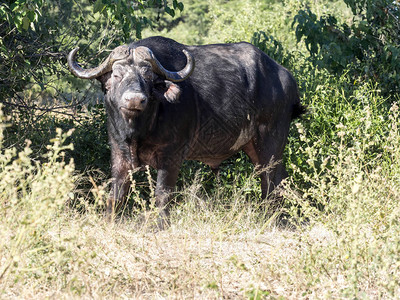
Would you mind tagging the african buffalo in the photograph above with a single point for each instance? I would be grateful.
(167, 102)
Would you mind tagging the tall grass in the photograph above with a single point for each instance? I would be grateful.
(33, 194)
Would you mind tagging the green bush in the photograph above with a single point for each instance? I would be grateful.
(369, 42)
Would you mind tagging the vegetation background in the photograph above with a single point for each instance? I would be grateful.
(335, 233)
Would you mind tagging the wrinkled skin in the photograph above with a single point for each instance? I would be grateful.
(237, 98)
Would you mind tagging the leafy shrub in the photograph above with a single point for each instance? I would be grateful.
(272, 47)
(335, 103)
(370, 42)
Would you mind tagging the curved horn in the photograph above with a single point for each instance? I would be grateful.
(145, 53)
(118, 53)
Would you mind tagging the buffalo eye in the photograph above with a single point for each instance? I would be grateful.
(117, 77)
(146, 72)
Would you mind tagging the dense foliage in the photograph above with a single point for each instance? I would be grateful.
(369, 41)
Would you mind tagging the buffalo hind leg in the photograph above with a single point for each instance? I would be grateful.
(266, 152)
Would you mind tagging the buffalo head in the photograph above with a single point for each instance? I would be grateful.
(131, 77)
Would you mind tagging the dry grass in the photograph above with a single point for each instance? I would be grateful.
(96, 259)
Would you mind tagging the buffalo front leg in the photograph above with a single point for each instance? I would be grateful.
(166, 180)
(120, 168)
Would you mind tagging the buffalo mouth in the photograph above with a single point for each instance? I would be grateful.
(130, 112)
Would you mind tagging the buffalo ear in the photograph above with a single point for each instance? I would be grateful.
(105, 80)
(173, 92)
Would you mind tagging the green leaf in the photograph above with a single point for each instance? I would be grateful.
(170, 11)
(25, 23)
(180, 6)
(3, 10)
(31, 15)
(98, 6)
(14, 7)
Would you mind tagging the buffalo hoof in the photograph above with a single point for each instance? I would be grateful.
(153, 220)
(163, 220)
